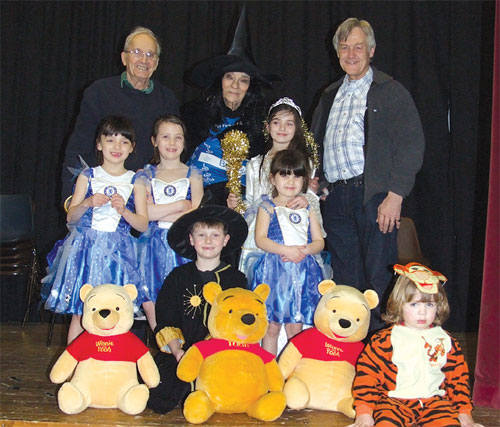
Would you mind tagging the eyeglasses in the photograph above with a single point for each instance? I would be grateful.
(138, 54)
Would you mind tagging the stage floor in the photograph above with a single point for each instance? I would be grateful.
(28, 396)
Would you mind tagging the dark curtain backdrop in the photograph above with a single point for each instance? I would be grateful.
(441, 51)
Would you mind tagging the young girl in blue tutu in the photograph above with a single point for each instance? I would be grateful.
(289, 238)
(173, 190)
(107, 201)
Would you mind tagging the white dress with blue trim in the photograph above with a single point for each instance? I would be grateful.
(156, 258)
(99, 248)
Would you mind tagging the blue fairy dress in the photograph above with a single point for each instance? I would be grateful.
(98, 249)
(257, 189)
(294, 286)
(156, 258)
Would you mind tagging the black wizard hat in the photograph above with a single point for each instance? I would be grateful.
(238, 58)
(178, 234)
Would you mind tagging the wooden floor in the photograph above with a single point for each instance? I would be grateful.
(27, 395)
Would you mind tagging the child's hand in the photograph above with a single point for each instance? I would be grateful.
(298, 202)
(232, 200)
(178, 354)
(293, 254)
(149, 199)
(364, 420)
(118, 203)
(98, 200)
(467, 421)
(306, 250)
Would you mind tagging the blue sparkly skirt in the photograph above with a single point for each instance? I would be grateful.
(156, 260)
(294, 287)
(86, 256)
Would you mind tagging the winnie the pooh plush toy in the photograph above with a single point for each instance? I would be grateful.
(319, 363)
(233, 373)
(106, 356)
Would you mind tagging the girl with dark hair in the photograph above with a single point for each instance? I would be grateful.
(106, 203)
(289, 238)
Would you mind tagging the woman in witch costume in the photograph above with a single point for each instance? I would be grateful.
(232, 99)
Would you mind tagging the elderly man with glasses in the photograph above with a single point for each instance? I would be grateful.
(133, 94)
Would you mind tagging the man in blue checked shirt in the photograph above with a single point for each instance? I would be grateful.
(371, 146)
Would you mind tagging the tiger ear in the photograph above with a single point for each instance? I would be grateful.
(400, 269)
(440, 276)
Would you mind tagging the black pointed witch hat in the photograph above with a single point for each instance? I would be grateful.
(238, 58)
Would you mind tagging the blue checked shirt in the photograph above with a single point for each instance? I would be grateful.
(345, 130)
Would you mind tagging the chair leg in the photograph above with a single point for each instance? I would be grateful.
(31, 287)
(51, 329)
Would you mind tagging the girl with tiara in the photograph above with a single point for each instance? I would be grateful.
(289, 238)
(107, 201)
(174, 189)
(284, 129)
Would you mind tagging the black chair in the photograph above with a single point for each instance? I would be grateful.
(408, 244)
(17, 237)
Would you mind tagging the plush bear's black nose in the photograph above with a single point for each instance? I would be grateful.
(248, 319)
(345, 323)
(104, 313)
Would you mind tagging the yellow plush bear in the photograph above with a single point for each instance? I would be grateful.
(106, 356)
(319, 363)
(233, 373)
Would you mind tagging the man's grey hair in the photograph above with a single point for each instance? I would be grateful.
(142, 30)
(346, 27)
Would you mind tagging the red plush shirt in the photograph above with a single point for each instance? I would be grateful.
(313, 344)
(215, 345)
(124, 347)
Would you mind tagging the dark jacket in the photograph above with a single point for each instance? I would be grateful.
(394, 139)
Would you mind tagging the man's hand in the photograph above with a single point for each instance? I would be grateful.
(389, 212)
(314, 184)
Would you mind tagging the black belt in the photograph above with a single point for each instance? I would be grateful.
(355, 180)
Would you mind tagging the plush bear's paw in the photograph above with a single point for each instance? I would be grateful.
(297, 393)
(198, 407)
(345, 406)
(134, 401)
(71, 400)
(269, 407)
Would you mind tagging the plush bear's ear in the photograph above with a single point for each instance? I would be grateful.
(210, 291)
(131, 290)
(372, 298)
(262, 290)
(84, 291)
(325, 285)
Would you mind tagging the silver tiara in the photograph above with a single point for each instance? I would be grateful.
(286, 101)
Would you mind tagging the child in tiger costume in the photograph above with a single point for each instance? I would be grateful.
(413, 372)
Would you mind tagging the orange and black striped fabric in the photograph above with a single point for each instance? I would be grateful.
(376, 376)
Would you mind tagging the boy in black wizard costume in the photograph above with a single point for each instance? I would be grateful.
(232, 99)
(202, 235)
